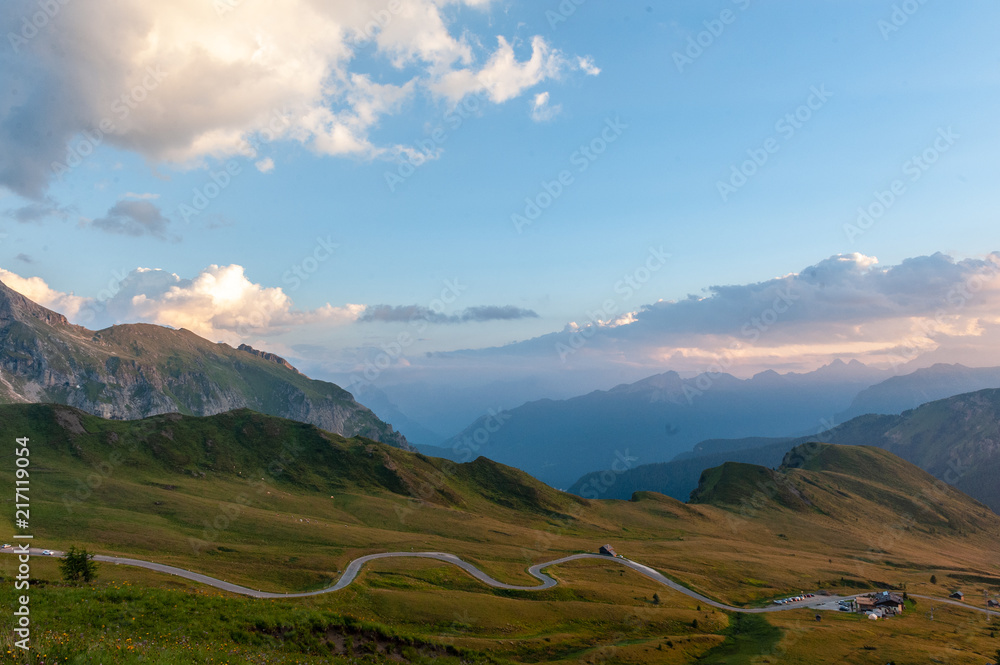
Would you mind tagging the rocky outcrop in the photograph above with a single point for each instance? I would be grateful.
(135, 371)
(267, 356)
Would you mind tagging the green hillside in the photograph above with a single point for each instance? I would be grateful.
(245, 446)
(956, 440)
(838, 480)
(284, 506)
(734, 484)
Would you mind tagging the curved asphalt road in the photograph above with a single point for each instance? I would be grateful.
(547, 582)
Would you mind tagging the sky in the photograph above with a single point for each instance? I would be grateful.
(430, 196)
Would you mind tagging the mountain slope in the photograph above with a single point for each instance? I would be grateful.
(679, 477)
(236, 445)
(138, 370)
(253, 498)
(956, 440)
(840, 481)
(655, 419)
(901, 393)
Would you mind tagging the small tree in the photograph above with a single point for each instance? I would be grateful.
(78, 566)
(933, 579)
(656, 599)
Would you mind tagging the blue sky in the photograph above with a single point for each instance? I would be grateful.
(887, 95)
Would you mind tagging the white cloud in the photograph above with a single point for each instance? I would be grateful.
(541, 110)
(504, 76)
(180, 82)
(846, 306)
(265, 165)
(220, 304)
(35, 289)
(586, 63)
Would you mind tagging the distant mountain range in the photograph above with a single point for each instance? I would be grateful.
(659, 417)
(956, 440)
(908, 391)
(139, 370)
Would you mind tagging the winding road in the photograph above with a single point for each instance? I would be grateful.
(547, 582)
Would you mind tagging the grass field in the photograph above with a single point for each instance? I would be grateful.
(431, 612)
(224, 502)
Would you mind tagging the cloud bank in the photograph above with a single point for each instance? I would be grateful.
(188, 80)
(928, 308)
(846, 306)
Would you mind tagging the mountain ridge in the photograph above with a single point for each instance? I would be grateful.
(137, 370)
(956, 439)
(660, 416)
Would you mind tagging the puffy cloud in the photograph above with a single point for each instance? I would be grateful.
(35, 288)
(187, 80)
(133, 217)
(265, 165)
(220, 304)
(408, 313)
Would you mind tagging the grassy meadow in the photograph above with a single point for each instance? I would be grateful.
(229, 501)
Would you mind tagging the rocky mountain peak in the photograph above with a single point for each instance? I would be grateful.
(15, 307)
